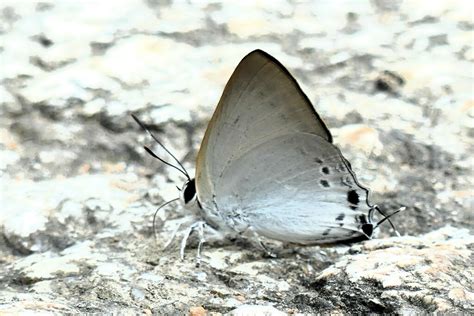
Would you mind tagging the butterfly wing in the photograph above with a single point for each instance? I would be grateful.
(261, 101)
(295, 187)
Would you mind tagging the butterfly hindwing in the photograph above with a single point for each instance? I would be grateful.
(295, 187)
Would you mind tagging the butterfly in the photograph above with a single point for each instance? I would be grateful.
(267, 165)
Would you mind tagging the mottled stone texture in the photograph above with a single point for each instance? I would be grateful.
(393, 81)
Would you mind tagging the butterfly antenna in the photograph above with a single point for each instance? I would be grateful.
(149, 151)
(387, 218)
(182, 169)
(156, 213)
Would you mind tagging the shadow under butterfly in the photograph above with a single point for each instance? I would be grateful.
(268, 166)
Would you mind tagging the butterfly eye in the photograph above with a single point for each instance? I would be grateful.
(189, 191)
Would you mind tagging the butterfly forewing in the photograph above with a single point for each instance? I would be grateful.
(260, 101)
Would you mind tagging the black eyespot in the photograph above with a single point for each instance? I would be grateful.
(46, 42)
(325, 170)
(368, 229)
(324, 183)
(353, 197)
(189, 191)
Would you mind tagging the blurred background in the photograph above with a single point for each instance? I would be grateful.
(393, 81)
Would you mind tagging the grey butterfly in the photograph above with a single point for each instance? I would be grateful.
(268, 165)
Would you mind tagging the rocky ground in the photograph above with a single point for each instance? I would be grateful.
(392, 79)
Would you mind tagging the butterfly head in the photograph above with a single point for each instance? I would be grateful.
(188, 193)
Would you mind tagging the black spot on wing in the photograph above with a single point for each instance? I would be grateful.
(326, 232)
(353, 199)
(340, 217)
(368, 229)
(325, 170)
(324, 183)
(318, 160)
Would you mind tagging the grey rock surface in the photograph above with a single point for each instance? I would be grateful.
(393, 81)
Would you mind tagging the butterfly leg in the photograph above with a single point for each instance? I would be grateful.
(187, 233)
(201, 241)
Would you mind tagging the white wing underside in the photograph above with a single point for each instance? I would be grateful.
(291, 188)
